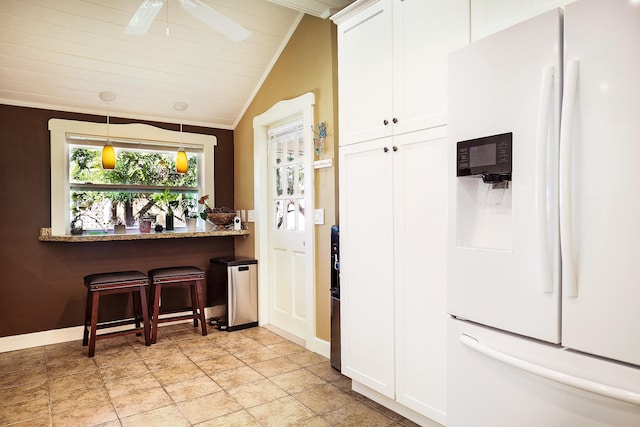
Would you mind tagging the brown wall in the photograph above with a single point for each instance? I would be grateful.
(307, 64)
(41, 284)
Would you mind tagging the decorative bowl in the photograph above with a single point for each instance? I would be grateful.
(221, 218)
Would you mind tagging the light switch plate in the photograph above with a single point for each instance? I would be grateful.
(251, 215)
(318, 217)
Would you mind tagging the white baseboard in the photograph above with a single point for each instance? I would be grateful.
(56, 336)
(322, 347)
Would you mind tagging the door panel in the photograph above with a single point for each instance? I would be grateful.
(496, 253)
(605, 202)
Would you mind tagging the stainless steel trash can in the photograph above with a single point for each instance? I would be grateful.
(239, 277)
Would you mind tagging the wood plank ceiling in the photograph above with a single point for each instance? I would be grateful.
(61, 54)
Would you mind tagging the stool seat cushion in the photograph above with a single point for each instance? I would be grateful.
(176, 274)
(115, 278)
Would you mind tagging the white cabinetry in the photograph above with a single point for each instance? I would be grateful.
(393, 235)
(490, 16)
(392, 65)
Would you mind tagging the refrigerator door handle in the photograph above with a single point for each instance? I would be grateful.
(553, 375)
(542, 141)
(566, 138)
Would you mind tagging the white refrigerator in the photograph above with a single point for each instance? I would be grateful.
(544, 222)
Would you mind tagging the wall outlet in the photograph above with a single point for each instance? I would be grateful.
(251, 215)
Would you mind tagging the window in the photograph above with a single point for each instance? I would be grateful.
(144, 182)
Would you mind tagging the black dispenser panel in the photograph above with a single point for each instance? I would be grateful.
(488, 157)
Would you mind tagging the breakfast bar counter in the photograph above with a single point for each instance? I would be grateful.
(110, 236)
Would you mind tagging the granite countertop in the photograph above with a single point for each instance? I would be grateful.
(109, 236)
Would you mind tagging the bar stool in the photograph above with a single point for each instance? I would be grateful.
(177, 276)
(113, 283)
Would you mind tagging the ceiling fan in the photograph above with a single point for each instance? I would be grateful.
(146, 13)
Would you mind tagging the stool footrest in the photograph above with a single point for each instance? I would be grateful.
(175, 318)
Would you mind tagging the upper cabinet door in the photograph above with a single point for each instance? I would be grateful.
(425, 32)
(365, 73)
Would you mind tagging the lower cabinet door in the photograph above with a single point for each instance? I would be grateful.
(366, 264)
(420, 227)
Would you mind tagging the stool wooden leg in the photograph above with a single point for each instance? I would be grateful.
(200, 301)
(95, 302)
(87, 320)
(156, 290)
(137, 310)
(194, 302)
(145, 315)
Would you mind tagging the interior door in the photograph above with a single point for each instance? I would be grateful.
(287, 212)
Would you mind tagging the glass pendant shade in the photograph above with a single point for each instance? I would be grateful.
(182, 163)
(108, 157)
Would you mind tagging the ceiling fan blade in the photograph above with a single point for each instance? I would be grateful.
(144, 16)
(215, 19)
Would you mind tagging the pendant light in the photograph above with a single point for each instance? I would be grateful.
(182, 162)
(108, 153)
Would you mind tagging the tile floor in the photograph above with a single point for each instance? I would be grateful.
(244, 378)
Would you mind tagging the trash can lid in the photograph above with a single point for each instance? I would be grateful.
(233, 260)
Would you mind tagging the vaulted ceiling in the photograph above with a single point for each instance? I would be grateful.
(61, 54)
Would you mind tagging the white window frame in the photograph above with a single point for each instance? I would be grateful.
(59, 130)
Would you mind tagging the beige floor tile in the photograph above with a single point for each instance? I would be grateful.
(236, 419)
(82, 366)
(314, 422)
(221, 364)
(192, 388)
(324, 398)
(343, 384)
(326, 372)
(14, 378)
(167, 360)
(257, 354)
(59, 385)
(276, 366)
(286, 347)
(263, 336)
(281, 412)
(157, 350)
(116, 357)
(209, 353)
(176, 374)
(357, 414)
(78, 398)
(21, 360)
(168, 416)
(11, 396)
(129, 369)
(44, 421)
(236, 377)
(141, 401)
(297, 381)
(89, 415)
(307, 358)
(237, 343)
(126, 386)
(208, 407)
(25, 410)
(256, 393)
(383, 410)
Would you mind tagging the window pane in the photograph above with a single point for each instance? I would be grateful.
(301, 214)
(291, 215)
(278, 178)
(132, 168)
(300, 180)
(279, 214)
(290, 177)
